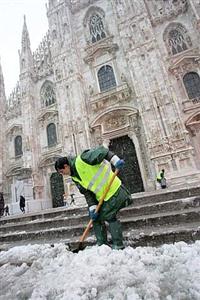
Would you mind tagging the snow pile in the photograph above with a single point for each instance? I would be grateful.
(38, 272)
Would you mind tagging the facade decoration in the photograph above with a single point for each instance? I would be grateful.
(122, 73)
(176, 38)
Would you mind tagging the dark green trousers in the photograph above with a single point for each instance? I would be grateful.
(108, 212)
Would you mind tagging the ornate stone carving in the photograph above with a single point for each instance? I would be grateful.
(49, 157)
(161, 11)
(91, 90)
(128, 8)
(42, 60)
(99, 48)
(37, 179)
(58, 74)
(193, 123)
(187, 61)
(38, 191)
(121, 94)
(120, 7)
(123, 78)
(114, 122)
(15, 129)
(48, 114)
(17, 169)
(176, 38)
(13, 108)
(77, 5)
(176, 130)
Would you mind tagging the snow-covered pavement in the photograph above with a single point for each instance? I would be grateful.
(38, 272)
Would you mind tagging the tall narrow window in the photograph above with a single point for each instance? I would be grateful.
(96, 27)
(192, 85)
(106, 78)
(18, 145)
(51, 135)
(47, 94)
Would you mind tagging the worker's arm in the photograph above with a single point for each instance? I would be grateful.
(97, 155)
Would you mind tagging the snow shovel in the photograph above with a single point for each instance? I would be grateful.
(101, 200)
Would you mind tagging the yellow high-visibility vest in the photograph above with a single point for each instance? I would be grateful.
(159, 175)
(96, 177)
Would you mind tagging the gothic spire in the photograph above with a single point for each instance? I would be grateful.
(25, 36)
(25, 55)
(2, 87)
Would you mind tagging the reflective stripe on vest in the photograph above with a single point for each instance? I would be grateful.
(96, 177)
(159, 176)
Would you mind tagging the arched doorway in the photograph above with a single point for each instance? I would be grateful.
(57, 189)
(130, 175)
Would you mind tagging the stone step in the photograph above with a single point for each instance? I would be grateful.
(131, 211)
(163, 219)
(140, 199)
(70, 230)
(147, 221)
(153, 236)
(45, 224)
(165, 195)
(152, 208)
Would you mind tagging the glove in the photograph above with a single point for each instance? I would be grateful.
(117, 162)
(119, 165)
(93, 215)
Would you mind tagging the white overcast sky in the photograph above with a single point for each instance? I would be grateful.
(11, 24)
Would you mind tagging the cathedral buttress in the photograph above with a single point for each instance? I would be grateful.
(2, 111)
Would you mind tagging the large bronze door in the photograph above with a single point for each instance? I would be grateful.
(57, 189)
(130, 174)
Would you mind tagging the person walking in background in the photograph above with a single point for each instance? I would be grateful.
(1, 204)
(72, 199)
(91, 171)
(22, 204)
(6, 210)
(161, 179)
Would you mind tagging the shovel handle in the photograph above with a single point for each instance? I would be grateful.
(101, 200)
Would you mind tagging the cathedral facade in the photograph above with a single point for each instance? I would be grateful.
(122, 73)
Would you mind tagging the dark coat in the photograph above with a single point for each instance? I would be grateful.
(22, 201)
(1, 204)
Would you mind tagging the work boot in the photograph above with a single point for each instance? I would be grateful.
(100, 233)
(116, 234)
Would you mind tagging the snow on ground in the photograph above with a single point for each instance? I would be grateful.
(38, 272)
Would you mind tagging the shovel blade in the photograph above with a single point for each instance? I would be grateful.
(76, 248)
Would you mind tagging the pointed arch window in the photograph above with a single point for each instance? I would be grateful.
(96, 27)
(47, 93)
(192, 85)
(51, 135)
(177, 42)
(18, 145)
(176, 38)
(106, 78)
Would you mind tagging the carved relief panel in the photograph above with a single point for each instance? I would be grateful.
(114, 122)
(161, 10)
